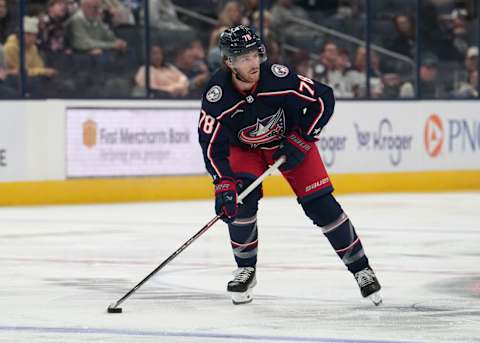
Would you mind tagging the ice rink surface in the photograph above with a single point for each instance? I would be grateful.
(61, 266)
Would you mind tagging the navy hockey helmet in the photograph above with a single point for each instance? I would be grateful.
(239, 40)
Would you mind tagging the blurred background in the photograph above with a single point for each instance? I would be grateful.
(167, 49)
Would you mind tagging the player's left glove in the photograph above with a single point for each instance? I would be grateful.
(295, 147)
(226, 199)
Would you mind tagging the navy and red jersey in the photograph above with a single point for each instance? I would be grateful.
(279, 103)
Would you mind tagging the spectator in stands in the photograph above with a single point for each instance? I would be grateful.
(198, 51)
(342, 61)
(302, 64)
(165, 79)
(437, 36)
(89, 33)
(7, 24)
(163, 15)
(430, 85)
(250, 8)
(332, 69)
(35, 65)
(117, 13)
(268, 33)
(338, 77)
(274, 50)
(468, 87)
(231, 14)
(99, 55)
(328, 59)
(404, 40)
(390, 86)
(272, 42)
(462, 76)
(72, 6)
(199, 55)
(348, 9)
(214, 56)
(166, 26)
(3, 65)
(41, 79)
(285, 25)
(267, 23)
(7, 85)
(52, 35)
(458, 27)
(356, 76)
(197, 73)
(471, 59)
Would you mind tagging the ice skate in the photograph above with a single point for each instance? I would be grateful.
(241, 286)
(369, 285)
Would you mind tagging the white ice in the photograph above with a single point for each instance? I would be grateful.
(61, 266)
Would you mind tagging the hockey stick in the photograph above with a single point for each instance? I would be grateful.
(113, 308)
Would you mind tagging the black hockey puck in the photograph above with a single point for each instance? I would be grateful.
(112, 309)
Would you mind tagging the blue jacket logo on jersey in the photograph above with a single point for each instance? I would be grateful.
(279, 70)
(266, 130)
(214, 94)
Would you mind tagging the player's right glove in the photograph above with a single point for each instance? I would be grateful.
(295, 147)
(226, 199)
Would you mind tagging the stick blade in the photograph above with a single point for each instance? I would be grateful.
(113, 309)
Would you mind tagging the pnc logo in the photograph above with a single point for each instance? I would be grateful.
(89, 133)
(434, 135)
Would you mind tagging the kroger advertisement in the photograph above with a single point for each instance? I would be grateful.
(132, 142)
(402, 136)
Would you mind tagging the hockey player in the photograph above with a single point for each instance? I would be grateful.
(252, 113)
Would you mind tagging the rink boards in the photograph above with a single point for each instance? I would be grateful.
(57, 151)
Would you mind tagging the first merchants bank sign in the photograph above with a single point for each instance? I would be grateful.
(104, 142)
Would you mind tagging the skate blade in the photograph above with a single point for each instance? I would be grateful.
(242, 298)
(375, 298)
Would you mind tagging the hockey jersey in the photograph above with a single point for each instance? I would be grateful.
(280, 102)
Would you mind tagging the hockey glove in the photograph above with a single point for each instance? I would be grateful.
(226, 199)
(295, 147)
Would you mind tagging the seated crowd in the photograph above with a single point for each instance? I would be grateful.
(96, 48)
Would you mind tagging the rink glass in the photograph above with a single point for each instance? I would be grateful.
(332, 41)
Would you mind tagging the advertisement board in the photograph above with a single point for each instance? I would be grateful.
(13, 143)
(402, 137)
(51, 140)
(103, 142)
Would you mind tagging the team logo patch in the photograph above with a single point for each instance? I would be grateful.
(214, 94)
(265, 130)
(279, 70)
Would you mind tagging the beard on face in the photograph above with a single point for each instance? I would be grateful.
(252, 75)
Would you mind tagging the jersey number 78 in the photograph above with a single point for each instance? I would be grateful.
(306, 83)
(206, 123)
